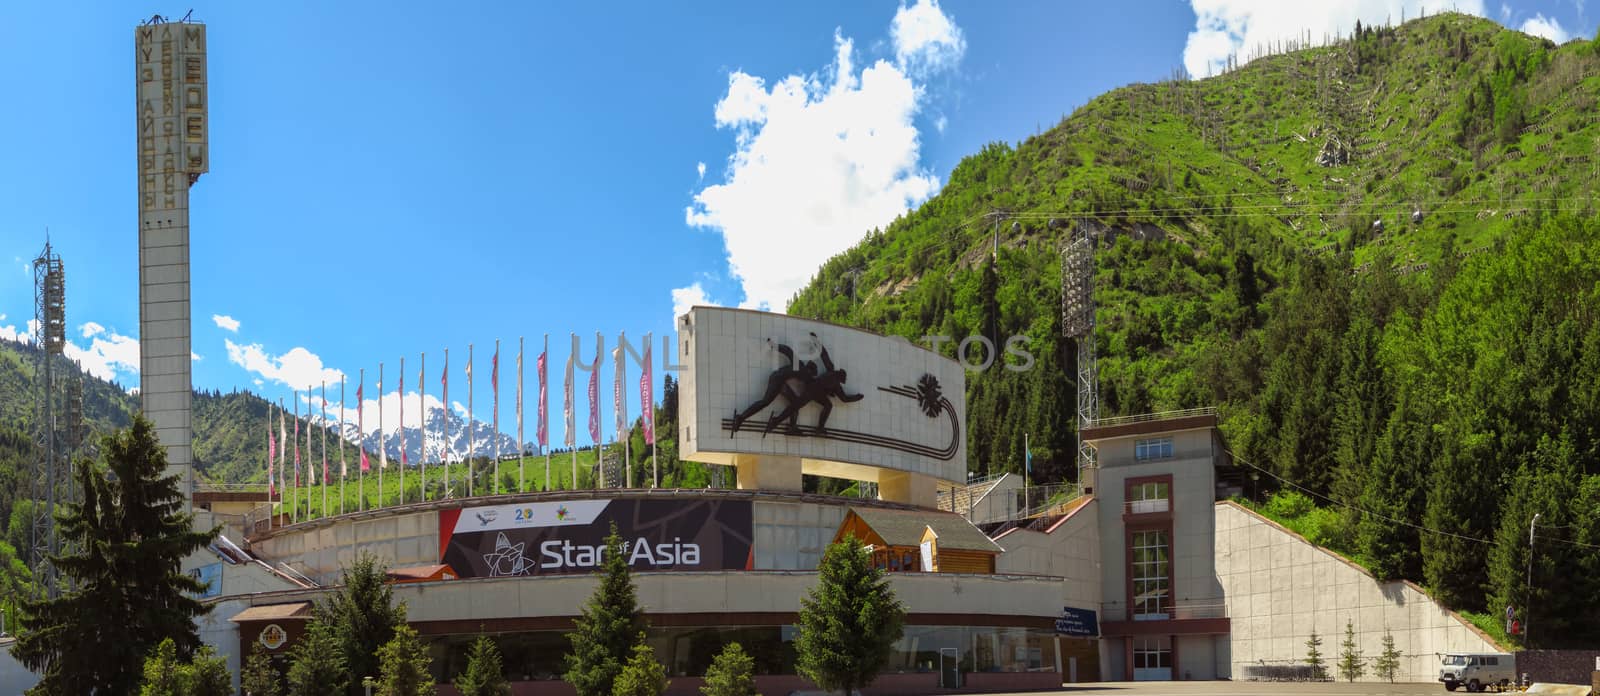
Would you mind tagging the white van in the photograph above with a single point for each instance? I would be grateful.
(1477, 671)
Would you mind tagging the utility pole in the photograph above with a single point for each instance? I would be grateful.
(1527, 619)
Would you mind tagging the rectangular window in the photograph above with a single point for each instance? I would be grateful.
(1150, 496)
(1152, 582)
(1152, 653)
(1157, 448)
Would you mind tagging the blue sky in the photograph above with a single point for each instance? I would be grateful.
(389, 179)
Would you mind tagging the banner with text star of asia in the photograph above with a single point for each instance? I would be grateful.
(568, 537)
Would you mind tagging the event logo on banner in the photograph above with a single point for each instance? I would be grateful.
(568, 537)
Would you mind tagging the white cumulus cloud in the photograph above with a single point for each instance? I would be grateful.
(10, 333)
(700, 168)
(109, 354)
(822, 159)
(685, 298)
(1238, 27)
(1547, 27)
(925, 38)
(297, 369)
(226, 322)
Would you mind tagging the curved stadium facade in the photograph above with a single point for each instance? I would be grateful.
(1145, 572)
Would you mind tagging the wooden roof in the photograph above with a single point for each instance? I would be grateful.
(906, 528)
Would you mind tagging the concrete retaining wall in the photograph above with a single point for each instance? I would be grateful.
(1280, 588)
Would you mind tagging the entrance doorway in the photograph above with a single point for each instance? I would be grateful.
(1152, 659)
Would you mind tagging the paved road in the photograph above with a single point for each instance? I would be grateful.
(1229, 688)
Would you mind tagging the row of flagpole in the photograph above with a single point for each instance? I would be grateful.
(278, 464)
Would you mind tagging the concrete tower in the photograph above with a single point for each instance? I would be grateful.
(170, 59)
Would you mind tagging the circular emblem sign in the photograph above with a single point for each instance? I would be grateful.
(273, 636)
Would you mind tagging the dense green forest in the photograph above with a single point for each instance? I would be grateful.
(1377, 259)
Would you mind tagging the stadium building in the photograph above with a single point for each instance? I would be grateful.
(1146, 572)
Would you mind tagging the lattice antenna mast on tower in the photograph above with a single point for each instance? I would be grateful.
(50, 340)
(1077, 323)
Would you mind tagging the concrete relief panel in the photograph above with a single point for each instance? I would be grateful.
(844, 402)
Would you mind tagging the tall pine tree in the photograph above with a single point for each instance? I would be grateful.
(362, 617)
(849, 621)
(128, 538)
(610, 624)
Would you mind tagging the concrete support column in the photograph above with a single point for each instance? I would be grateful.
(767, 473)
(906, 487)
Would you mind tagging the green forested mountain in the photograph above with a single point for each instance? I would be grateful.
(1378, 259)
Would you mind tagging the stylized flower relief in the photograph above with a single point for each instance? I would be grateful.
(929, 396)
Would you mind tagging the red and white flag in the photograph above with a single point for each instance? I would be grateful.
(542, 426)
(571, 436)
(619, 390)
(647, 403)
(400, 391)
(494, 385)
(296, 442)
(272, 453)
(383, 445)
(444, 382)
(344, 470)
(361, 425)
(324, 433)
(283, 449)
(520, 440)
(594, 395)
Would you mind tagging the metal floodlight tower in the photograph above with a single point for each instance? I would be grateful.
(1077, 323)
(50, 340)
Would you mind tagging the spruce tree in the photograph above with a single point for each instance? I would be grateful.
(404, 667)
(484, 675)
(849, 621)
(1351, 664)
(730, 672)
(1388, 662)
(362, 617)
(610, 624)
(1314, 655)
(1393, 491)
(259, 677)
(643, 675)
(161, 672)
(317, 664)
(127, 537)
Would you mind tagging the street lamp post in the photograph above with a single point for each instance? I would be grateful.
(1527, 619)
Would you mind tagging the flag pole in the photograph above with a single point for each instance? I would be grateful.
(361, 445)
(294, 497)
(494, 388)
(400, 405)
(522, 467)
(310, 473)
(324, 448)
(341, 444)
(422, 427)
(272, 448)
(655, 478)
(283, 455)
(544, 420)
(444, 446)
(383, 447)
(472, 445)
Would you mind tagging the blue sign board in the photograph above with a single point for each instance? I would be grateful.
(211, 577)
(1081, 623)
